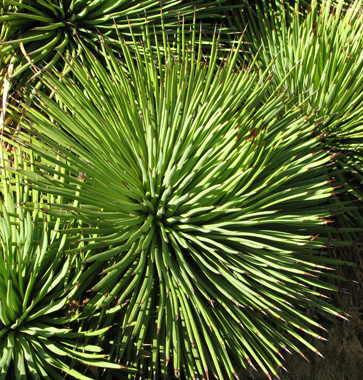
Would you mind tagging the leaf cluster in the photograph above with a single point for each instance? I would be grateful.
(170, 205)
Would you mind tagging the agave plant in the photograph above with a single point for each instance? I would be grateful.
(35, 34)
(38, 288)
(205, 203)
(323, 52)
(41, 31)
(260, 14)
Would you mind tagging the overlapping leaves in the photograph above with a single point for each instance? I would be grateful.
(38, 288)
(203, 200)
(35, 34)
(323, 54)
(41, 31)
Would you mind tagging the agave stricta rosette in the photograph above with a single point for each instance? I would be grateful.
(38, 285)
(205, 200)
(324, 53)
(35, 34)
(41, 31)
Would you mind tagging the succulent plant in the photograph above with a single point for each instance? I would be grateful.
(203, 199)
(35, 34)
(39, 32)
(39, 287)
(322, 57)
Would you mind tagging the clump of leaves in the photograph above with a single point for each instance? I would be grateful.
(206, 200)
(39, 31)
(38, 284)
(35, 34)
(324, 54)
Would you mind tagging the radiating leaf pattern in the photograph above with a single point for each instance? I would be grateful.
(323, 54)
(38, 286)
(201, 204)
(39, 32)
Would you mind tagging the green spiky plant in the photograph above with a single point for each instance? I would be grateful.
(205, 200)
(258, 15)
(324, 55)
(35, 34)
(41, 31)
(39, 288)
